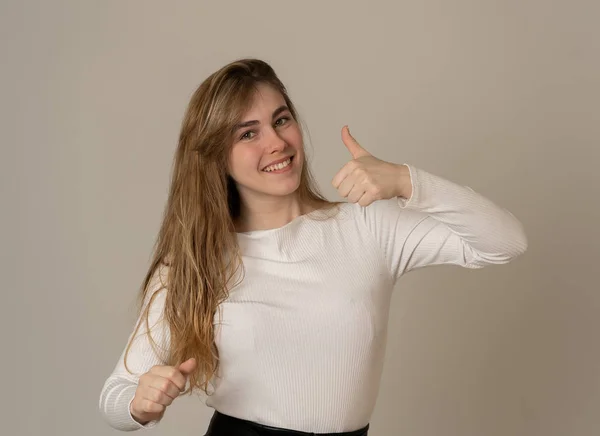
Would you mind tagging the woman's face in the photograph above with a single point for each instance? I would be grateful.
(267, 154)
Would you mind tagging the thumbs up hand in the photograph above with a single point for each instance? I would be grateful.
(158, 388)
(366, 179)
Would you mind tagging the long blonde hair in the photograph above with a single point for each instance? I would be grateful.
(197, 241)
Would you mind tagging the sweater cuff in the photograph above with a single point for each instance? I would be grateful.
(118, 414)
(409, 203)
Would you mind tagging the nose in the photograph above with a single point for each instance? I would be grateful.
(274, 142)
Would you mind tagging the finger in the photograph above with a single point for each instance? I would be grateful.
(346, 186)
(356, 193)
(352, 144)
(343, 173)
(149, 406)
(171, 373)
(188, 367)
(166, 386)
(366, 199)
(157, 396)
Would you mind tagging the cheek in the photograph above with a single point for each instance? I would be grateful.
(296, 137)
(241, 159)
(293, 137)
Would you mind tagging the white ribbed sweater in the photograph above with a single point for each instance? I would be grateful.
(302, 339)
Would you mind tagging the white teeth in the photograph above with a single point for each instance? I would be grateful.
(278, 166)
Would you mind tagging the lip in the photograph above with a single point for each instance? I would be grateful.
(283, 159)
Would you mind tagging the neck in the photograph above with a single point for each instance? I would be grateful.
(270, 212)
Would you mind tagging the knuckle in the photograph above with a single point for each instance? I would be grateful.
(157, 396)
(165, 384)
(153, 407)
(155, 369)
(148, 406)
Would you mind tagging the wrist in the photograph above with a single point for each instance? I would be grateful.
(404, 186)
(137, 418)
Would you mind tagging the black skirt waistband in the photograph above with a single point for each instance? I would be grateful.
(225, 425)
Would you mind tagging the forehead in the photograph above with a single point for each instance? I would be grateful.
(264, 101)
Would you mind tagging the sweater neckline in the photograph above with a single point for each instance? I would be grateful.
(293, 222)
(262, 232)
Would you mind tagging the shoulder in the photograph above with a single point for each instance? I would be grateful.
(384, 218)
(380, 209)
(381, 213)
(345, 209)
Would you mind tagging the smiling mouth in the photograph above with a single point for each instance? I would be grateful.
(279, 166)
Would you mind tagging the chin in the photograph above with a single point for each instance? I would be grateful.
(283, 191)
(273, 188)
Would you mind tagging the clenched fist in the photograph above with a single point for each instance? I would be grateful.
(366, 179)
(158, 388)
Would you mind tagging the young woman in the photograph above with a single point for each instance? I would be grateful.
(266, 296)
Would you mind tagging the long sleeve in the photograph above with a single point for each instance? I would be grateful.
(119, 388)
(443, 223)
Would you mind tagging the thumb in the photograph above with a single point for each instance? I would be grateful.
(352, 145)
(187, 367)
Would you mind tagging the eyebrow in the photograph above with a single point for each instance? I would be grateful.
(276, 112)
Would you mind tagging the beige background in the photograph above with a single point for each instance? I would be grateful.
(500, 95)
